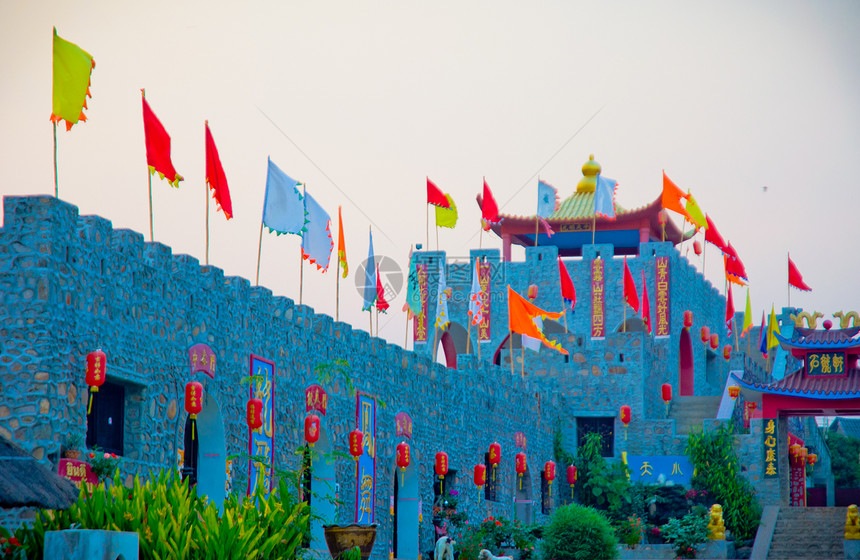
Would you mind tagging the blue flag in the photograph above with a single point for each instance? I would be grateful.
(604, 197)
(546, 199)
(283, 209)
(369, 278)
(316, 241)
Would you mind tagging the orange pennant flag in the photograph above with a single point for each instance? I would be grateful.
(520, 315)
(672, 196)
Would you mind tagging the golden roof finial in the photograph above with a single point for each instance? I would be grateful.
(590, 169)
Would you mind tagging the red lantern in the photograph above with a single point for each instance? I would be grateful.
(549, 471)
(495, 456)
(480, 475)
(803, 453)
(441, 466)
(688, 318)
(402, 455)
(520, 466)
(355, 446)
(626, 416)
(667, 392)
(533, 291)
(727, 352)
(312, 429)
(96, 369)
(715, 341)
(571, 478)
(697, 247)
(662, 217)
(812, 458)
(734, 391)
(706, 334)
(255, 413)
(193, 398)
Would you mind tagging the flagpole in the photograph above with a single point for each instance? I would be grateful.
(523, 360)
(377, 319)
(259, 250)
(370, 320)
(437, 237)
(206, 196)
(56, 183)
(406, 333)
(624, 320)
(511, 344)
(537, 224)
(427, 222)
(469, 337)
(149, 179)
(435, 340)
(337, 292)
(735, 330)
(301, 274)
(788, 284)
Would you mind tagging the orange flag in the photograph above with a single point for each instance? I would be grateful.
(341, 244)
(215, 176)
(521, 313)
(672, 196)
(158, 147)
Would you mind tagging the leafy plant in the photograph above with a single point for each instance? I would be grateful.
(717, 469)
(577, 532)
(602, 485)
(686, 534)
(630, 531)
(496, 534)
(843, 459)
(102, 464)
(74, 441)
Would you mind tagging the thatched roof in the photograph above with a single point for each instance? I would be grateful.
(26, 482)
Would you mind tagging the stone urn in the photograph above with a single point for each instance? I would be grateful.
(340, 538)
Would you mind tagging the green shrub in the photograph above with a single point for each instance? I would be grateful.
(497, 534)
(602, 485)
(686, 534)
(577, 532)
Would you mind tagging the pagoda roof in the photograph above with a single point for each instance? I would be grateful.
(817, 387)
(828, 339)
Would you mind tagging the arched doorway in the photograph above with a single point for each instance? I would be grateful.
(206, 453)
(406, 497)
(685, 364)
(450, 349)
(523, 500)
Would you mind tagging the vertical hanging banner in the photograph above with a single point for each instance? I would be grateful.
(261, 442)
(771, 449)
(661, 329)
(598, 302)
(365, 484)
(419, 324)
(484, 281)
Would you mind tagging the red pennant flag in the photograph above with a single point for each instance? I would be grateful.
(435, 196)
(381, 304)
(568, 291)
(736, 273)
(215, 176)
(713, 237)
(730, 311)
(489, 208)
(630, 295)
(672, 196)
(646, 307)
(795, 280)
(158, 147)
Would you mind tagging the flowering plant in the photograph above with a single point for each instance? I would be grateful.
(10, 547)
(497, 534)
(630, 531)
(103, 465)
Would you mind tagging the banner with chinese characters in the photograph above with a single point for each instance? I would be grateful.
(649, 468)
(771, 448)
(403, 425)
(365, 484)
(661, 323)
(825, 363)
(261, 443)
(316, 399)
(598, 303)
(419, 323)
(78, 472)
(484, 280)
(520, 440)
(202, 358)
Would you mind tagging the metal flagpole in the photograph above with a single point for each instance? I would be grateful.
(56, 183)
(259, 250)
(206, 196)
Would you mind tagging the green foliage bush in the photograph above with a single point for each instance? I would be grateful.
(844, 451)
(173, 522)
(496, 534)
(602, 485)
(718, 471)
(577, 532)
(686, 534)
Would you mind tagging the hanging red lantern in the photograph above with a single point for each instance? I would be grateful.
(193, 403)
(441, 466)
(715, 341)
(571, 478)
(662, 217)
(355, 443)
(95, 375)
(255, 413)
(312, 429)
(402, 455)
(666, 390)
(706, 334)
(533, 291)
(520, 466)
(734, 391)
(495, 457)
(626, 416)
(697, 247)
(803, 453)
(480, 475)
(688, 318)
(549, 474)
(811, 458)
(727, 352)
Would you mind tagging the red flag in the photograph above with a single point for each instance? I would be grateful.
(736, 273)
(215, 176)
(158, 147)
(795, 280)
(489, 208)
(713, 237)
(435, 196)
(730, 310)
(381, 304)
(672, 196)
(646, 307)
(630, 295)
(568, 292)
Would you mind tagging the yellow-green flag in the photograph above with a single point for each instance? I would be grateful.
(747, 315)
(72, 69)
(696, 214)
(772, 330)
(447, 217)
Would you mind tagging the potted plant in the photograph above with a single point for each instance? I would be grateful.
(103, 464)
(72, 450)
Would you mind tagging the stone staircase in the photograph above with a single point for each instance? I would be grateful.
(813, 533)
(688, 412)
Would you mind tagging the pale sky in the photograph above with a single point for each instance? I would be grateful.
(367, 98)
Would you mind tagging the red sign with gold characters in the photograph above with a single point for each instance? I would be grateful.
(202, 358)
(520, 440)
(316, 399)
(402, 425)
(484, 281)
(419, 324)
(661, 329)
(598, 301)
(78, 472)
